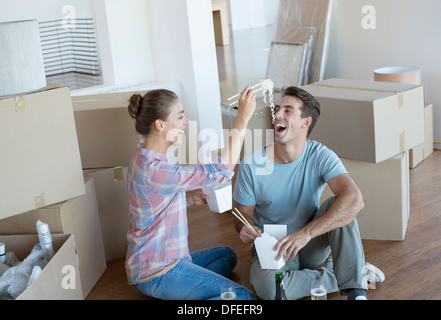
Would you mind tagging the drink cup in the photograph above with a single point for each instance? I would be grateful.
(228, 292)
(318, 291)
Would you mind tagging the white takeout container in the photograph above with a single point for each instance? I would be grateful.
(220, 197)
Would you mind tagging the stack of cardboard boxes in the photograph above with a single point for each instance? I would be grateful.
(372, 126)
(42, 179)
(65, 162)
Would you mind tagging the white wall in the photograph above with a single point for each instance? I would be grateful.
(42, 10)
(408, 32)
(183, 48)
(124, 41)
(249, 14)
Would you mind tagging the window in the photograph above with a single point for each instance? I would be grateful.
(70, 54)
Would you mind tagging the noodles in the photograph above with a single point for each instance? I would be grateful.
(268, 89)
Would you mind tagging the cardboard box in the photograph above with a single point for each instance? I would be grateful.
(78, 216)
(60, 278)
(113, 205)
(106, 133)
(40, 158)
(385, 189)
(422, 151)
(367, 120)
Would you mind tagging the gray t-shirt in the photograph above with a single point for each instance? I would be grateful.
(286, 193)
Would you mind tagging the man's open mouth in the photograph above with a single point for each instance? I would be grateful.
(280, 128)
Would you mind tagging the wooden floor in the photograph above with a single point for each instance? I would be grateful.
(412, 267)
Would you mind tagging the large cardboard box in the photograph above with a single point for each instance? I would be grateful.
(60, 278)
(367, 120)
(422, 151)
(113, 205)
(385, 189)
(106, 133)
(39, 155)
(78, 216)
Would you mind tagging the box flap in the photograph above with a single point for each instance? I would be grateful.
(49, 86)
(358, 90)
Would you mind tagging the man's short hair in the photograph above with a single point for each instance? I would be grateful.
(310, 106)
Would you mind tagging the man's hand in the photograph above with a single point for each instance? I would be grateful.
(248, 236)
(291, 244)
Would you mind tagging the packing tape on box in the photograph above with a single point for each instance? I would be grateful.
(118, 174)
(20, 103)
(402, 140)
(40, 201)
(398, 93)
(400, 100)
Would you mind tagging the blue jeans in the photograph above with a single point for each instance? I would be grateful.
(200, 279)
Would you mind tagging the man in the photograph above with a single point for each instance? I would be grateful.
(288, 193)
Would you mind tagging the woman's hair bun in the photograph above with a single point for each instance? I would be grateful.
(135, 105)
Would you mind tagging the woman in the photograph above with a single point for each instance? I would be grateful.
(158, 261)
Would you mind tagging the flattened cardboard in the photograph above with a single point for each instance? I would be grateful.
(40, 161)
(287, 64)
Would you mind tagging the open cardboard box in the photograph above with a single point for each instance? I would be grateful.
(60, 278)
(78, 216)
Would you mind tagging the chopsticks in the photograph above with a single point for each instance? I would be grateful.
(265, 85)
(238, 95)
(242, 219)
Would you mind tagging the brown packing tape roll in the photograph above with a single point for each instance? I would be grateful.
(398, 74)
(118, 174)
